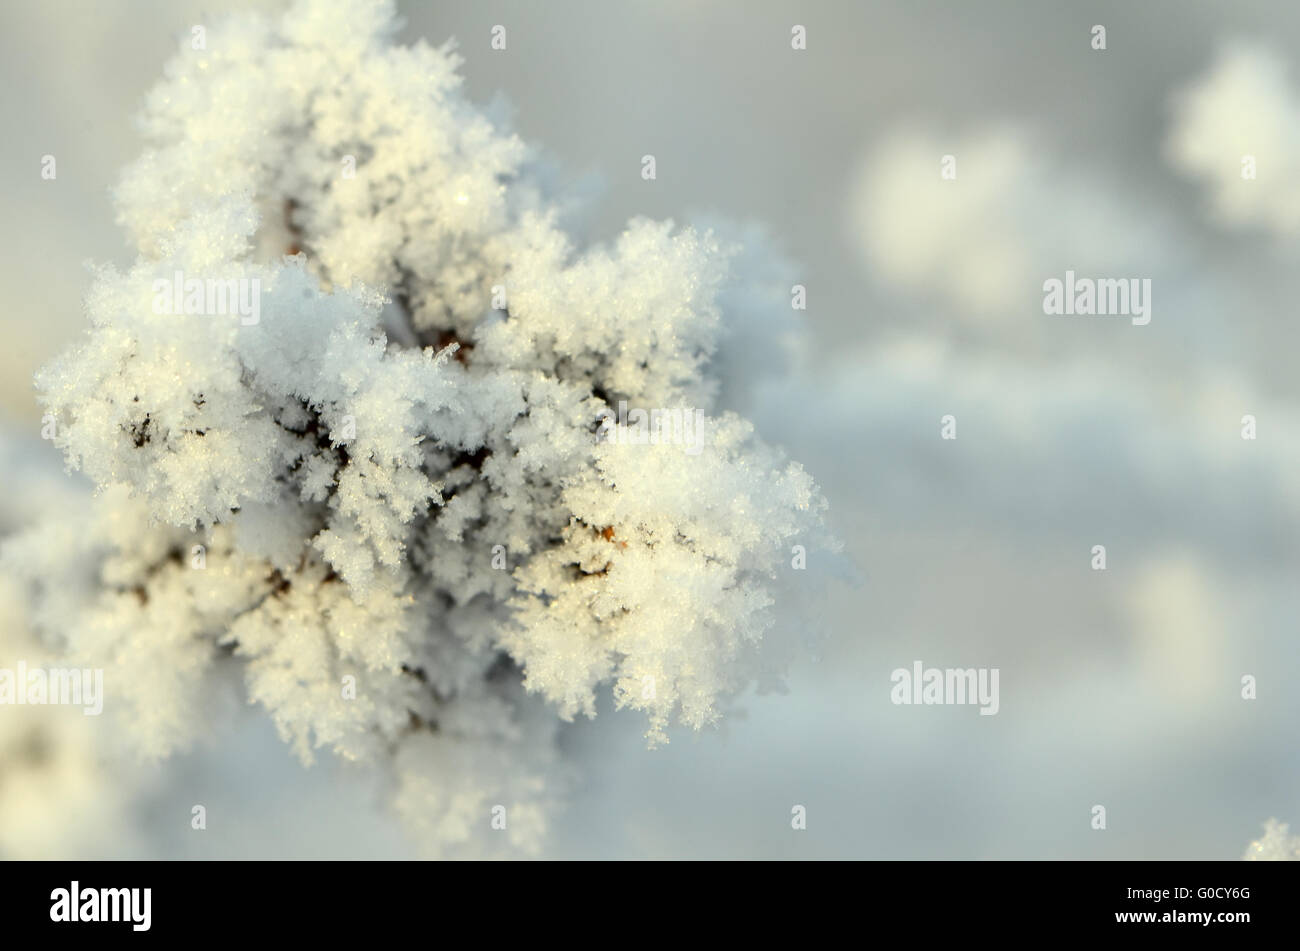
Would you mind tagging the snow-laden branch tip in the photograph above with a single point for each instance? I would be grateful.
(1276, 844)
(349, 415)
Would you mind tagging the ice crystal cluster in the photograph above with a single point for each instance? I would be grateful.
(395, 495)
(1276, 845)
(56, 794)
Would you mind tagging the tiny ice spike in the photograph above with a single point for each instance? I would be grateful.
(394, 476)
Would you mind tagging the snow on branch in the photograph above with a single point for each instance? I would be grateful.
(348, 416)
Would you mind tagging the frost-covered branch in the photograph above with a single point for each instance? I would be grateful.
(354, 416)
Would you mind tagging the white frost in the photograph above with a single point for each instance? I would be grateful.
(398, 486)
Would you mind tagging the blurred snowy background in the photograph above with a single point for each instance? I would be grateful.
(1119, 688)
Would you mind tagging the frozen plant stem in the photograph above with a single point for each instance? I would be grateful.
(411, 532)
